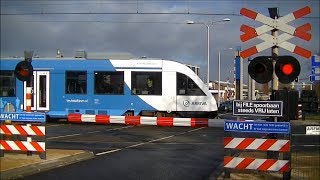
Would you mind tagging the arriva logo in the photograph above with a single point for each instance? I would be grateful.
(199, 103)
(186, 103)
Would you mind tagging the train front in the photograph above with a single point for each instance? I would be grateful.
(193, 98)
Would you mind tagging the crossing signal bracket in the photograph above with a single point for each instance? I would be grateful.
(23, 71)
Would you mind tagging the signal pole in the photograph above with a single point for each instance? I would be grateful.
(28, 57)
(275, 54)
(274, 14)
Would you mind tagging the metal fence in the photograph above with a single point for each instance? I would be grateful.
(305, 152)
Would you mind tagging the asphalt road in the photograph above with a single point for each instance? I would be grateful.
(137, 152)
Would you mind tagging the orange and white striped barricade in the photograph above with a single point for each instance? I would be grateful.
(21, 134)
(256, 144)
(138, 120)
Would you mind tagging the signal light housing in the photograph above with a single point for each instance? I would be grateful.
(261, 69)
(23, 71)
(287, 69)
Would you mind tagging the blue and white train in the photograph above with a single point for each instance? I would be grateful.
(143, 87)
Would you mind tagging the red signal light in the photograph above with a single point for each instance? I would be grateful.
(287, 69)
(23, 71)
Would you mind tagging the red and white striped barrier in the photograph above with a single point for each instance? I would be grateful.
(140, 120)
(257, 144)
(28, 99)
(23, 130)
(256, 164)
(22, 146)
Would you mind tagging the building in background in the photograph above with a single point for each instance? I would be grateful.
(195, 69)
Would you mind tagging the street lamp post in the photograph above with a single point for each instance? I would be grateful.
(208, 42)
(219, 66)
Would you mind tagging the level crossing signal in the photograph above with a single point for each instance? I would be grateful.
(287, 69)
(24, 69)
(261, 69)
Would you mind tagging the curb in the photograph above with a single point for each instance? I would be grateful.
(217, 173)
(20, 172)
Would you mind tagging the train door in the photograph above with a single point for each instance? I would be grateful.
(169, 91)
(40, 91)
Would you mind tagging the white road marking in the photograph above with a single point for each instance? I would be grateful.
(155, 140)
(54, 125)
(56, 137)
(148, 142)
(107, 152)
(93, 132)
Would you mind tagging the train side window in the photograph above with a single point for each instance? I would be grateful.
(108, 82)
(7, 84)
(186, 86)
(76, 82)
(146, 83)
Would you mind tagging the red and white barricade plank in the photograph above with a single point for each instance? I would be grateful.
(22, 146)
(22, 130)
(138, 120)
(257, 144)
(256, 164)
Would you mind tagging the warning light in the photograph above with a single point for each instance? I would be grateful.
(23, 70)
(287, 69)
(261, 69)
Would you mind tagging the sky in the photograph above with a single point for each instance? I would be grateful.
(151, 28)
